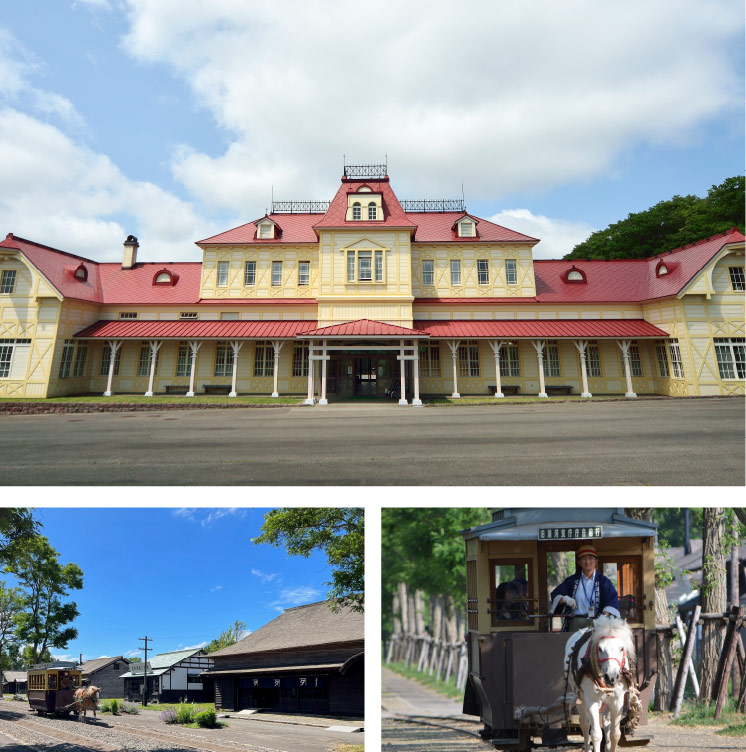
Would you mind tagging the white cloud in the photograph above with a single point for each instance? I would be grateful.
(216, 588)
(525, 97)
(187, 514)
(219, 514)
(198, 646)
(264, 576)
(558, 236)
(298, 596)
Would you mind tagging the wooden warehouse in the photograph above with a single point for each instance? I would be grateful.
(307, 660)
(106, 673)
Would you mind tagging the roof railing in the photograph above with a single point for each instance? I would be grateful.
(300, 207)
(366, 172)
(433, 205)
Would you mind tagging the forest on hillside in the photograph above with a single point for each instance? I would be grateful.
(668, 225)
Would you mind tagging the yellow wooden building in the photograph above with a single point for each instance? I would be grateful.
(369, 295)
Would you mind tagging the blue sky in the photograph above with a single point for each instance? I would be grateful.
(180, 576)
(174, 119)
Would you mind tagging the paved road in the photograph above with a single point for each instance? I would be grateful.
(643, 442)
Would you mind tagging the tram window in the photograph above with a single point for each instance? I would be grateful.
(52, 681)
(625, 572)
(511, 602)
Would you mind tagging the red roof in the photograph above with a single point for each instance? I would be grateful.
(296, 228)
(628, 280)
(544, 329)
(393, 214)
(125, 286)
(195, 329)
(363, 328)
(437, 227)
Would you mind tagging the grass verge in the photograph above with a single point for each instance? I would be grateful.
(448, 689)
(349, 748)
(156, 400)
(694, 714)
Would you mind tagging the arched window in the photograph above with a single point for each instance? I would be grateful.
(81, 273)
(357, 211)
(575, 276)
(372, 210)
(164, 278)
(661, 269)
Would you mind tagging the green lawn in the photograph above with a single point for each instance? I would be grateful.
(700, 715)
(449, 690)
(158, 400)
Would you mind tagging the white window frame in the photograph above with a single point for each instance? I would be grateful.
(223, 268)
(7, 354)
(455, 266)
(184, 360)
(551, 361)
(483, 271)
(365, 261)
(674, 354)
(127, 315)
(510, 362)
(188, 315)
(429, 354)
(300, 359)
(635, 361)
(428, 274)
(661, 357)
(264, 359)
(730, 356)
(593, 360)
(106, 360)
(8, 281)
(372, 210)
(304, 273)
(249, 274)
(357, 211)
(737, 281)
(223, 360)
(143, 362)
(466, 229)
(378, 265)
(266, 231)
(468, 359)
(66, 361)
(81, 360)
(511, 272)
(277, 274)
(364, 266)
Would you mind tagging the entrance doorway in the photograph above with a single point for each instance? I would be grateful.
(366, 377)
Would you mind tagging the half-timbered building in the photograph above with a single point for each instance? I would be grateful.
(307, 660)
(171, 677)
(369, 295)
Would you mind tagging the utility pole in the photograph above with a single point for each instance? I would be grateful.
(145, 670)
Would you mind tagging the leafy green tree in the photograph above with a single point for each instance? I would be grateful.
(337, 531)
(135, 659)
(16, 526)
(668, 225)
(44, 582)
(10, 606)
(228, 637)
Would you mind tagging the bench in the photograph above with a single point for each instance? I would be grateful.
(176, 389)
(217, 388)
(506, 388)
(557, 389)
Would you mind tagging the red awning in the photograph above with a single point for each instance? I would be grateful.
(195, 329)
(554, 329)
(364, 328)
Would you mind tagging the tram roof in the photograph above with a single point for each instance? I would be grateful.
(524, 524)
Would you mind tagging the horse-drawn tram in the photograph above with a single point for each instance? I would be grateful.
(519, 647)
(52, 686)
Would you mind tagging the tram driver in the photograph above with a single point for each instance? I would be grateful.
(585, 594)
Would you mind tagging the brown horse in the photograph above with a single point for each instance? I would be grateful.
(86, 699)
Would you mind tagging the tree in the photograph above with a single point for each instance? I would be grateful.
(10, 606)
(228, 637)
(16, 526)
(712, 595)
(337, 531)
(135, 659)
(44, 582)
(669, 224)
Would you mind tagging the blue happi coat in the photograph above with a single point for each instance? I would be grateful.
(605, 597)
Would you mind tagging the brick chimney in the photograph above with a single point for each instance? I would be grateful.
(130, 252)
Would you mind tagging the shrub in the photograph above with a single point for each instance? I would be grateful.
(130, 708)
(169, 716)
(207, 718)
(114, 707)
(106, 706)
(185, 713)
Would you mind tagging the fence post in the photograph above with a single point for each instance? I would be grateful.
(678, 688)
(720, 688)
(690, 665)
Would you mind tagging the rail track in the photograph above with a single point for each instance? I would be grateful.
(421, 733)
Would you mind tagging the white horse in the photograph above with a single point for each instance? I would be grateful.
(599, 675)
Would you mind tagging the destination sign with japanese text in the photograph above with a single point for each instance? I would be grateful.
(570, 533)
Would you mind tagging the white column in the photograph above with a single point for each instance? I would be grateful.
(277, 344)
(323, 400)
(310, 400)
(114, 346)
(154, 347)
(402, 377)
(236, 347)
(624, 346)
(416, 401)
(582, 345)
(496, 347)
(539, 347)
(194, 347)
(454, 356)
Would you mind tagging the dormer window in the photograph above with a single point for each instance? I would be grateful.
(575, 275)
(661, 269)
(364, 205)
(266, 230)
(371, 210)
(357, 211)
(81, 273)
(165, 277)
(466, 229)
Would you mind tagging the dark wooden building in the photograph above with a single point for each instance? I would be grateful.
(106, 673)
(14, 682)
(171, 677)
(307, 660)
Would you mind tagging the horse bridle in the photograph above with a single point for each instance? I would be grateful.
(600, 660)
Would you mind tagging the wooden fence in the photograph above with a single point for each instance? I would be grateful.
(444, 660)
